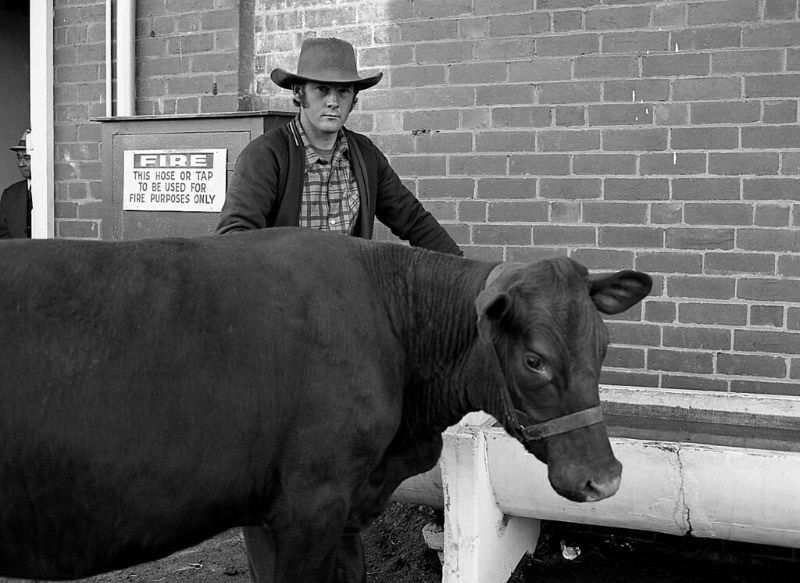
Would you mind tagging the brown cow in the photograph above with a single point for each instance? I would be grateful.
(154, 393)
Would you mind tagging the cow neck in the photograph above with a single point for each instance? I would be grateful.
(436, 321)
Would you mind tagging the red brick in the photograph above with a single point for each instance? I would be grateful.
(705, 38)
(629, 90)
(772, 215)
(670, 262)
(505, 142)
(563, 235)
(570, 92)
(605, 164)
(631, 237)
(614, 213)
(623, 114)
(778, 240)
(771, 290)
(767, 316)
(666, 213)
(784, 136)
(503, 94)
(638, 42)
(565, 211)
(476, 73)
(637, 334)
(495, 49)
(532, 116)
(635, 139)
(604, 259)
(444, 142)
(539, 164)
(673, 164)
(790, 163)
(472, 211)
(570, 115)
(752, 263)
(477, 165)
(406, 166)
(676, 65)
(567, 21)
(736, 112)
(781, 189)
(530, 254)
(605, 66)
(657, 311)
(519, 24)
(624, 357)
(717, 288)
(697, 238)
(635, 189)
(752, 61)
(724, 11)
(718, 214)
(707, 88)
(697, 383)
(567, 44)
(789, 265)
(446, 187)
(428, 30)
(714, 138)
(751, 365)
(569, 140)
(444, 52)
(680, 361)
(570, 188)
(671, 113)
(418, 75)
(766, 341)
(618, 18)
(518, 212)
(780, 9)
(787, 85)
(773, 35)
(502, 6)
(539, 70)
(501, 235)
(706, 189)
(440, 8)
(698, 338)
(742, 164)
(709, 313)
(514, 188)
(628, 378)
(780, 112)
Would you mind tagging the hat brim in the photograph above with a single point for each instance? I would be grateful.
(286, 79)
(17, 148)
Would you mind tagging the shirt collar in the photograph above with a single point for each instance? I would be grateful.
(340, 149)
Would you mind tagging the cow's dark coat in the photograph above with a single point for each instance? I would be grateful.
(154, 393)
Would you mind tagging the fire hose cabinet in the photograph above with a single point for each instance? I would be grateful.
(166, 176)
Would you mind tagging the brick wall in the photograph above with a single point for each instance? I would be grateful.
(661, 136)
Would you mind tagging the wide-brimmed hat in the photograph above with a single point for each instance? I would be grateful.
(22, 144)
(327, 60)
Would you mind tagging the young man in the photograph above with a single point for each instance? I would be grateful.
(15, 204)
(313, 172)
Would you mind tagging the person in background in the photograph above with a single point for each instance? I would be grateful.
(16, 204)
(313, 172)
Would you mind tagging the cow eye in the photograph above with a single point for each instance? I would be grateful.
(534, 363)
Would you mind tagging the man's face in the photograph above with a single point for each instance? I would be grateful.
(24, 164)
(325, 108)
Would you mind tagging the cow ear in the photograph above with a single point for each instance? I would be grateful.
(619, 291)
(491, 305)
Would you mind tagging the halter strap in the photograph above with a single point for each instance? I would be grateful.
(564, 424)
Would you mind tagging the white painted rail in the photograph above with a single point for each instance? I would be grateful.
(696, 476)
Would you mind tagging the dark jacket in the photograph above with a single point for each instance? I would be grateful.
(267, 185)
(15, 212)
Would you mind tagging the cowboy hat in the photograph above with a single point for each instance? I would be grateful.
(327, 60)
(22, 145)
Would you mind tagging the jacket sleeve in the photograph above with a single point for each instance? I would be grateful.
(253, 189)
(4, 232)
(398, 209)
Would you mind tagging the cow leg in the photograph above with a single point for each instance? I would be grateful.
(260, 553)
(350, 565)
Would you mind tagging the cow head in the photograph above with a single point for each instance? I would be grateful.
(542, 326)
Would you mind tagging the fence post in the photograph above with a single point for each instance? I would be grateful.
(481, 544)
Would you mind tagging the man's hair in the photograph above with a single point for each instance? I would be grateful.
(299, 90)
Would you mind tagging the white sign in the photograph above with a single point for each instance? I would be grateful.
(174, 180)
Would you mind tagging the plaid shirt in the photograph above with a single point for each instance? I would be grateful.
(330, 194)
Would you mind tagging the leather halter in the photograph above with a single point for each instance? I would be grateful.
(556, 425)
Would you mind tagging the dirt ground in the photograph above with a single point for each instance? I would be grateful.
(396, 553)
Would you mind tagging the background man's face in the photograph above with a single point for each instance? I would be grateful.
(24, 164)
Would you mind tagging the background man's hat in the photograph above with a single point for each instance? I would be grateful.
(328, 60)
(22, 145)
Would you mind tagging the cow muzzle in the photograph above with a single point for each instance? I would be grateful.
(575, 447)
